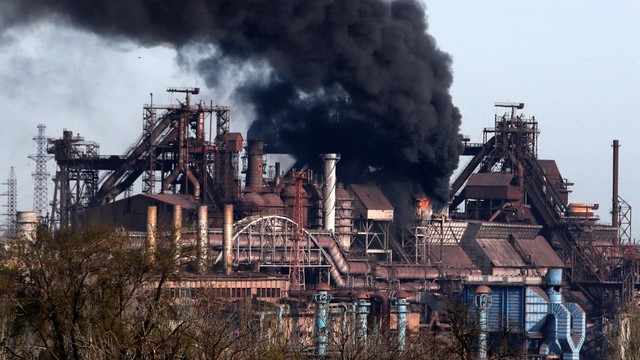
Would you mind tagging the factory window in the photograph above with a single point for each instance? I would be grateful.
(240, 292)
(268, 292)
(182, 293)
(221, 292)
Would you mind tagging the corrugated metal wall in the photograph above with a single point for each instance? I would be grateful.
(536, 310)
(506, 310)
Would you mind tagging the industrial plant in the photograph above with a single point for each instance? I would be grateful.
(508, 245)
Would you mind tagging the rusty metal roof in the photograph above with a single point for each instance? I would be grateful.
(186, 201)
(490, 179)
(501, 253)
(550, 169)
(491, 230)
(452, 255)
(540, 252)
(371, 197)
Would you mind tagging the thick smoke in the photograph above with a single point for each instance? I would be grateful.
(357, 77)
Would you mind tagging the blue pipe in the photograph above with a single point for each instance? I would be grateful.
(483, 302)
(401, 304)
(320, 330)
(362, 312)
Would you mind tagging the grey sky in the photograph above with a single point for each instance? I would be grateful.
(573, 63)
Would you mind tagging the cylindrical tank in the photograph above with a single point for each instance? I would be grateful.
(255, 150)
(27, 223)
(580, 210)
(273, 205)
(315, 206)
(251, 204)
(200, 126)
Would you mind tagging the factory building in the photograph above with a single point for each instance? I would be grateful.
(509, 244)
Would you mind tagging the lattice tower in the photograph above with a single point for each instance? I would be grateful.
(149, 119)
(12, 202)
(40, 175)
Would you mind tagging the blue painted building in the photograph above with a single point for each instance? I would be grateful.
(551, 327)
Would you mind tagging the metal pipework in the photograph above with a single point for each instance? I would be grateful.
(329, 191)
(176, 234)
(554, 282)
(320, 331)
(179, 168)
(150, 240)
(482, 302)
(202, 239)
(401, 306)
(362, 312)
(200, 127)
(227, 237)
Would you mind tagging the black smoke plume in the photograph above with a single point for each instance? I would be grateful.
(357, 77)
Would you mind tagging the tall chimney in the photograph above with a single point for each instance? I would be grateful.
(255, 149)
(615, 203)
(202, 239)
(227, 236)
(329, 191)
(150, 241)
(276, 177)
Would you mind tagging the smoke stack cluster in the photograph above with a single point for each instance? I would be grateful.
(394, 119)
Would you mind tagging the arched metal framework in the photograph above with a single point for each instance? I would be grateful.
(267, 240)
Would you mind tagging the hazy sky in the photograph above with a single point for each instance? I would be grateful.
(573, 63)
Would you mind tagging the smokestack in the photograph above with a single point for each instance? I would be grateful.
(329, 191)
(255, 149)
(227, 236)
(176, 239)
(202, 239)
(615, 204)
(276, 178)
(150, 241)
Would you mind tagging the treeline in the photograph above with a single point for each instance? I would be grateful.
(87, 294)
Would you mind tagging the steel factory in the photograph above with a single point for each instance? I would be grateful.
(509, 244)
